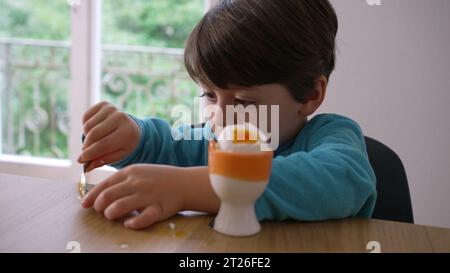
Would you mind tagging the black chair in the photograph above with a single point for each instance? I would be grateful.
(394, 200)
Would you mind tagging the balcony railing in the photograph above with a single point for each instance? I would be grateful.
(34, 86)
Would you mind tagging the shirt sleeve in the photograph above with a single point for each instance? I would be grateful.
(332, 179)
(160, 144)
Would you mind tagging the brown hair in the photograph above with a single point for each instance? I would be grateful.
(247, 43)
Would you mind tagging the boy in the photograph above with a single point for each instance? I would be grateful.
(243, 52)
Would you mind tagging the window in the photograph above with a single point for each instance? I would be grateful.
(57, 58)
(34, 77)
(142, 65)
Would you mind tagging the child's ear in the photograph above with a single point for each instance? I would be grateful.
(316, 98)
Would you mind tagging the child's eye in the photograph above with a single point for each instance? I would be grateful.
(209, 96)
(244, 102)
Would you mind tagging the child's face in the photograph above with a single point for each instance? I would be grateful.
(291, 118)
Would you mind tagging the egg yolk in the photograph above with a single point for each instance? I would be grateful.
(247, 137)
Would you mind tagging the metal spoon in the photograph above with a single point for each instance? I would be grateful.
(83, 186)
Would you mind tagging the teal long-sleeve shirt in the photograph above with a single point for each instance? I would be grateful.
(324, 173)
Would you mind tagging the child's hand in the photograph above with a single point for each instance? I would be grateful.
(155, 191)
(110, 135)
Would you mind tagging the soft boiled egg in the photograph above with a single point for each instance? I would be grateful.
(245, 138)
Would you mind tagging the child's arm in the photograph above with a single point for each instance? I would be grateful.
(157, 145)
(199, 194)
(113, 136)
(332, 179)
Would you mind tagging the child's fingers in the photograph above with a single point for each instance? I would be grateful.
(98, 117)
(146, 218)
(89, 199)
(124, 206)
(110, 195)
(94, 109)
(102, 147)
(100, 131)
(106, 159)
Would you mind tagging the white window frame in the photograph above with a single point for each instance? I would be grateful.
(84, 91)
(84, 88)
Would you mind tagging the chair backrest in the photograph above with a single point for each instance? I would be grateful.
(394, 200)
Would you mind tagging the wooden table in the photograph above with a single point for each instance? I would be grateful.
(38, 215)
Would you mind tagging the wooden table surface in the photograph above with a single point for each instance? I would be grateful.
(38, 215)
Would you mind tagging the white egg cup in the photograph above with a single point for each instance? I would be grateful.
(239, 172)
(237, 215)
